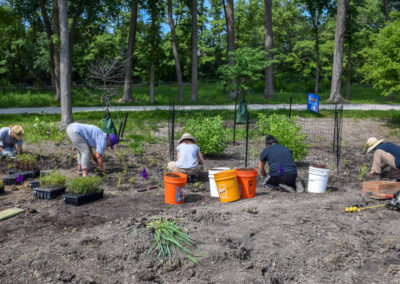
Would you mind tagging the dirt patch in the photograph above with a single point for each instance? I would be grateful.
(276, 237)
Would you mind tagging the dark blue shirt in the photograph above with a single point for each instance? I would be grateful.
(392, 149)
(280, 160)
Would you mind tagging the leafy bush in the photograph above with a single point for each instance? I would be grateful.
(209, 133)
(26, 161)
(43, 130)
(83, 185)
(286, 130)
(53, 179)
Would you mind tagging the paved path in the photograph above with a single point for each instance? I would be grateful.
(50, 110)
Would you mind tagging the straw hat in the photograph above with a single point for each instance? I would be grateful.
(187, 136)
(17, 131)
(372, 142)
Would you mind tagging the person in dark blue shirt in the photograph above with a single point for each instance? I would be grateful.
(386, 155)
(282, 169)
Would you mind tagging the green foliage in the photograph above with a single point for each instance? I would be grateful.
(382, 65)
(169, 237)
(137, 148)
(26, 161)
(286, 130)
(363, 170)
(209, 133)
(52, 179)
(43, 130)
(83, 185)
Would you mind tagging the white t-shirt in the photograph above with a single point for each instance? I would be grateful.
(187, 156)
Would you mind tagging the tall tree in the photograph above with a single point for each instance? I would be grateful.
(230, 34)
(386, 6)
(175, 52)
(337, 67)
(65, 73)
(129, 54)
(195, 36)
(269, 70)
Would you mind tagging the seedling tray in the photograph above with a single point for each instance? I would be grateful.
(48, 193)
(10, 179)
(79, 199)
(34, 184)
(28, 174)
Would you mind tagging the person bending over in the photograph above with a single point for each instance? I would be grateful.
(9, 138)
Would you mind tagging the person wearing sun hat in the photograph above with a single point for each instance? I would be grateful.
(9, 138)
(85, 137)
(386, 154)
(188, 156)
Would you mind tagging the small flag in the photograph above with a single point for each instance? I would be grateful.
(143, 173)
(48, 132)
(20, 178)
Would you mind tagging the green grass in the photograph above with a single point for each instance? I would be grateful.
(208, 94)
(52, 179)
(83, 185)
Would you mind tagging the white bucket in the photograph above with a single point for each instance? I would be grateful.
(317, 179)
(213, 185)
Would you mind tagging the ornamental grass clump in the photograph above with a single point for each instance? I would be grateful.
(26, 161)
(169, 237)
(83, 185)
(52, 179)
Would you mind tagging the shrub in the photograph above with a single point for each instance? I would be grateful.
(286, 130)
(43, 130)
(83, 185)
(26, 161)
(53, 179)
(209, 133)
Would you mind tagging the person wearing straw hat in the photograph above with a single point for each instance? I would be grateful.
(386, 154)
(86, 136)
(9, 138)
(188, 156)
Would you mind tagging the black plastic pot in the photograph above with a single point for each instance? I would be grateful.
(48, 193)
(34, 184)
(79, 199)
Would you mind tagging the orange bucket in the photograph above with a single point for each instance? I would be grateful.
(227, 186)
(247, 179)
(174, 187)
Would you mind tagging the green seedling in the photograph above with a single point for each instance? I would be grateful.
(83, 185)
(53, 179)
(26, 161)
(131, 180)
(1, 183)
(346, 162)
(119, 181)
(363, 171)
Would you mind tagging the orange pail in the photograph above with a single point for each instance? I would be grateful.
(247, 179)
(174, 187)
(227, 186)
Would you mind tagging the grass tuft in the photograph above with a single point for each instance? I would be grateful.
(53, 179)
(83, 185)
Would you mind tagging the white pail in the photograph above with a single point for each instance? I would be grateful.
(317, 179)
(213, 185)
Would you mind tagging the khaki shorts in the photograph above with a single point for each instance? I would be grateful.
(172, 168)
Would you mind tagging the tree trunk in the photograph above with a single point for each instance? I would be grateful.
(386, 5)
(129, 54)
(269, 70)
(230, 36)
(195, 36)
(175, 52)
(56, 29)
(348, 76)
(152, 82)
(317, 60)
(71, 39)
(337, 67)
(49, 33)
(65, 58)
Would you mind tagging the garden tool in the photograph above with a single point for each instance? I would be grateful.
(378, 195)
(356, 209)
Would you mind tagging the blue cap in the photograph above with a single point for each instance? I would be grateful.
(113, 140)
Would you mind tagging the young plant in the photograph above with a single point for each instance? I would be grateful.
(53, 179)
(83, 185)
(1, 183)
(167, 237)
(363, 171)
(26, 161)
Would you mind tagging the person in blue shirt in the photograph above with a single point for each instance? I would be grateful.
(188, 155)
(282, 169)
(9, 138)
(386, 154)
(85, 137)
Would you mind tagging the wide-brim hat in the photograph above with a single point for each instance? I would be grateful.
(372, 143)
(17, 131)
(188, 137)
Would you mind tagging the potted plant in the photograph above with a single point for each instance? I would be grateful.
(83, 190)
(51, 185)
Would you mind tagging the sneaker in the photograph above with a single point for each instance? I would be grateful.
(299, 187)
(287, 188)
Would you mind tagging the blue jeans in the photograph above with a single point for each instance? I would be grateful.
(8, 152)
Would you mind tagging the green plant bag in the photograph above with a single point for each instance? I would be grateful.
(242, 114)
(108, 126)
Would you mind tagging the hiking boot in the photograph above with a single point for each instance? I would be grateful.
(271, 187)
(287, 188)
(374, 176)
(299, 187)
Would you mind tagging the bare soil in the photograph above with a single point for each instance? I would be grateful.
(276, 237)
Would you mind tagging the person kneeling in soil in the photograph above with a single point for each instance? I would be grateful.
(84, 137)
(386, 155)
(188, 156)
(282, 169)
(9, 137)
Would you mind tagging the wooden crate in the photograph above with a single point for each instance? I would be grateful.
(380, 187)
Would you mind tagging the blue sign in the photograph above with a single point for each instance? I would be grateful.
(313, 102)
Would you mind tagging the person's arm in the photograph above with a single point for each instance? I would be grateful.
(99, 158)
(200, 157)
(261, 169)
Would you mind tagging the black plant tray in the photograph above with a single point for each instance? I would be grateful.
(79, 199)
(29, 174)
(2, 189)
(10, 179)
(34, 184)
(48, 193)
